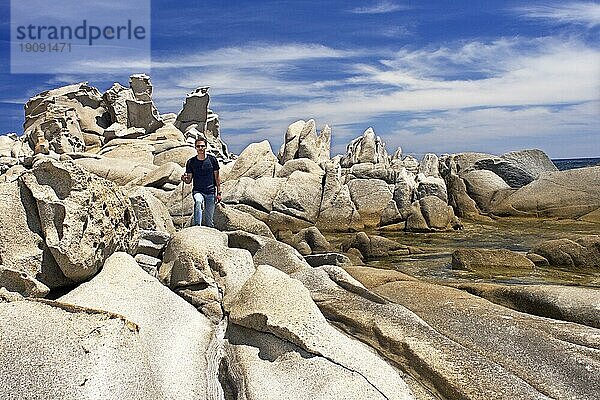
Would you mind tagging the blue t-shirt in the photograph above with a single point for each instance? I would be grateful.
(203, 173)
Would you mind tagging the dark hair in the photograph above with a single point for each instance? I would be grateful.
(200, 139)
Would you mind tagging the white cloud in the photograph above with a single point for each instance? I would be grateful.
(455, 97)
(532, 75)
(581, 13)
(567, 131)
(381, 7)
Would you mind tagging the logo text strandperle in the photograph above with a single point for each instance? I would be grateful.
(81, 32)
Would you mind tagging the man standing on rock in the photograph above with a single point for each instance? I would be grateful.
(204, 170)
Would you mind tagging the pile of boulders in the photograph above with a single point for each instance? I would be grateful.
(105, 293)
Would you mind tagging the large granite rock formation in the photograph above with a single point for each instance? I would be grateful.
(56, 120)
(63, 223)
(573, 194)
(367, 148)
(307, 341)
(301, 141)
(518, 168)
(196, 120)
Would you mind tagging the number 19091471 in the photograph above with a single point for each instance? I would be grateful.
(35, 47)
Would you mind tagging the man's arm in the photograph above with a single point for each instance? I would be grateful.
(187, 176)
(218, 185)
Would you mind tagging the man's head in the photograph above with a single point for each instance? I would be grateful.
(200, 144)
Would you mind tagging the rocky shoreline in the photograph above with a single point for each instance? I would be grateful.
(106, 291)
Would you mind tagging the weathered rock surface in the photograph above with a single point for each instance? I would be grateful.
(57, 118)
(431, 186)
(374, 246)
(518, 168)
(258, 193)
(169, 172)
(515, 344)
(7, 296)
(79, 353)
(442, 364)
(199, 265)
(151, 213)
(136, 151)
(255, 161)
(119, 171)
(563, 194)
(314, 240)
(179, 155)
(373, 277)
(116, 99)
(263, 305)
(162, 319)
(299, 164)
(152, 243)
(84, 219)
(300, 196)
(373, 171)
(230, 219)
(268, 251)
(19, 282)
(404, 192)
(337, 211)
(22, 243)
(489, 259)
(196, 120)
(318, 260)
(482, 185)
(367, 148)
(371, 197)
(431, 214)
(194, 109)
(582, 253)
(565, 303)
(429, 165)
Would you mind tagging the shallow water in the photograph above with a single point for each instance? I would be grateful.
(518, 235)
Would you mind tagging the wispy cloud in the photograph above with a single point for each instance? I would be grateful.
(466, 95)
(503, 82)
(558, 129)
(581, 13)
(381, 7)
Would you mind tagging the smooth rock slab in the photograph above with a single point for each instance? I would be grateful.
(268, 251)
(371, 197)
(563, 194)
(173, 338)
(265, 303)
(518, 343)
(567, 303)
(229, 219)
(581, 253)
(53, 350)
(438, 362)
(266, 367)
(489, 259)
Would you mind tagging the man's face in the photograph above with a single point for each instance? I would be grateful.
(200, 147)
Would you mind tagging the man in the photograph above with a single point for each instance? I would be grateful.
(203, 169)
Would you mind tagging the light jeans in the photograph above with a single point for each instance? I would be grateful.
(204, 209)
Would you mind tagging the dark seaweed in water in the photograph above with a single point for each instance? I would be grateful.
(571, 163)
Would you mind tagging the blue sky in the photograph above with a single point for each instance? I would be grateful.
(429, 76)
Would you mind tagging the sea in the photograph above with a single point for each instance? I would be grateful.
(571, 163)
